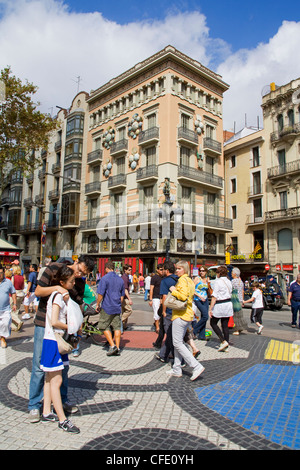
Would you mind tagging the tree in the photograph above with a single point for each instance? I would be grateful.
(23, 128)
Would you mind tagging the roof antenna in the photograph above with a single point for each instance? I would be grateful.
(78, 82)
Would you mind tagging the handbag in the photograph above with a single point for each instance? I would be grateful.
(236, 304)
(65, 341)
(175, 304)
(63, 346)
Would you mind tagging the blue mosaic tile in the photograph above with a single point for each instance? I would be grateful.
(264, 399)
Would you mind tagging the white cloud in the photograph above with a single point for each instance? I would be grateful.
(50, 46)
(249, 71)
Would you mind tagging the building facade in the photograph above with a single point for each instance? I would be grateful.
(245, 193)
(281, 113)
(154, 162)
(134, 173)
(262, 171)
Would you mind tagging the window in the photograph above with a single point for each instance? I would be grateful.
(122, 133)
(233, 185)
(151, 120)
(74, 149)
(233, 161)
(256, 182)
(148, 196)
(233, 212)
(75, 125)
(280, 122)
(185, 156)
(257, 209)
(150, 156)
(120, 166)
(283, 200)
(255, 156)
(285, 239)
(185, 121)
(209, 132)
(96, 173)
(209, 164)
(211, 203)
(234, 243)
(281, 158)
(291, 117)
(70, 209)
(92, 208)
(72, 171)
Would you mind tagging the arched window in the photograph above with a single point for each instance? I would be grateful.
(285, 239)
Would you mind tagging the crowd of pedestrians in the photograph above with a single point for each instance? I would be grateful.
(204, 301)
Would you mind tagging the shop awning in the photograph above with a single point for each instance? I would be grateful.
(8, 249)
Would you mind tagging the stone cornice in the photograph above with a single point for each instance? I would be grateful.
(168, 58)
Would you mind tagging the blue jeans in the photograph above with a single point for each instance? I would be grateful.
(36, 388)
(295, 307)
(202, 306)
(146, 294)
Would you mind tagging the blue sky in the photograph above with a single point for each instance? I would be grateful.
(250, 44)
(243, 24)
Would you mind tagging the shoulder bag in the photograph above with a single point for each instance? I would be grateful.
(65, 342)
(175, 304)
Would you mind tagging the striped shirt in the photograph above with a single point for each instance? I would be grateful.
(47, 279)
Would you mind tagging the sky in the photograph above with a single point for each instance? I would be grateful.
(63, 46)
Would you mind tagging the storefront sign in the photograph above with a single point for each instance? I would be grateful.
(285, 267)
(9, 253)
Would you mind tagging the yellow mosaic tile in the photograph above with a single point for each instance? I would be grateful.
(282, 351)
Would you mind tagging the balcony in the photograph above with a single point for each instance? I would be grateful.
(42, 174)
(94, 157)
(149, 136)
(93, 188)
(71, 186)
(187, 174)
(39, 200)
(212, 147)
(283, 214)
(16, 179)
(89, 224)
(256, 190)
(119, 147)
(4, 201)
(30, 227)
(28, 202)
(187, 136)
(56, 167)
(117, 182)
(253, 219)
(57, 145)
(285, 169)
(147, 174)
(217, 221)
(287, 134)
(54, 194)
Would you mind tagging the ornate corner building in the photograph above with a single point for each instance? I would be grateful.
(135, 172)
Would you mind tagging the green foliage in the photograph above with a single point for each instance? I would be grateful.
(23, 128)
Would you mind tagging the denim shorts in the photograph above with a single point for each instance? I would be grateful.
(106, 321)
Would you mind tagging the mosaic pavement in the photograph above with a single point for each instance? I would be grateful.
(247, 398)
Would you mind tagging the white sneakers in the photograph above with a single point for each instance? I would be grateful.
(197, 372)
(223, 346)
